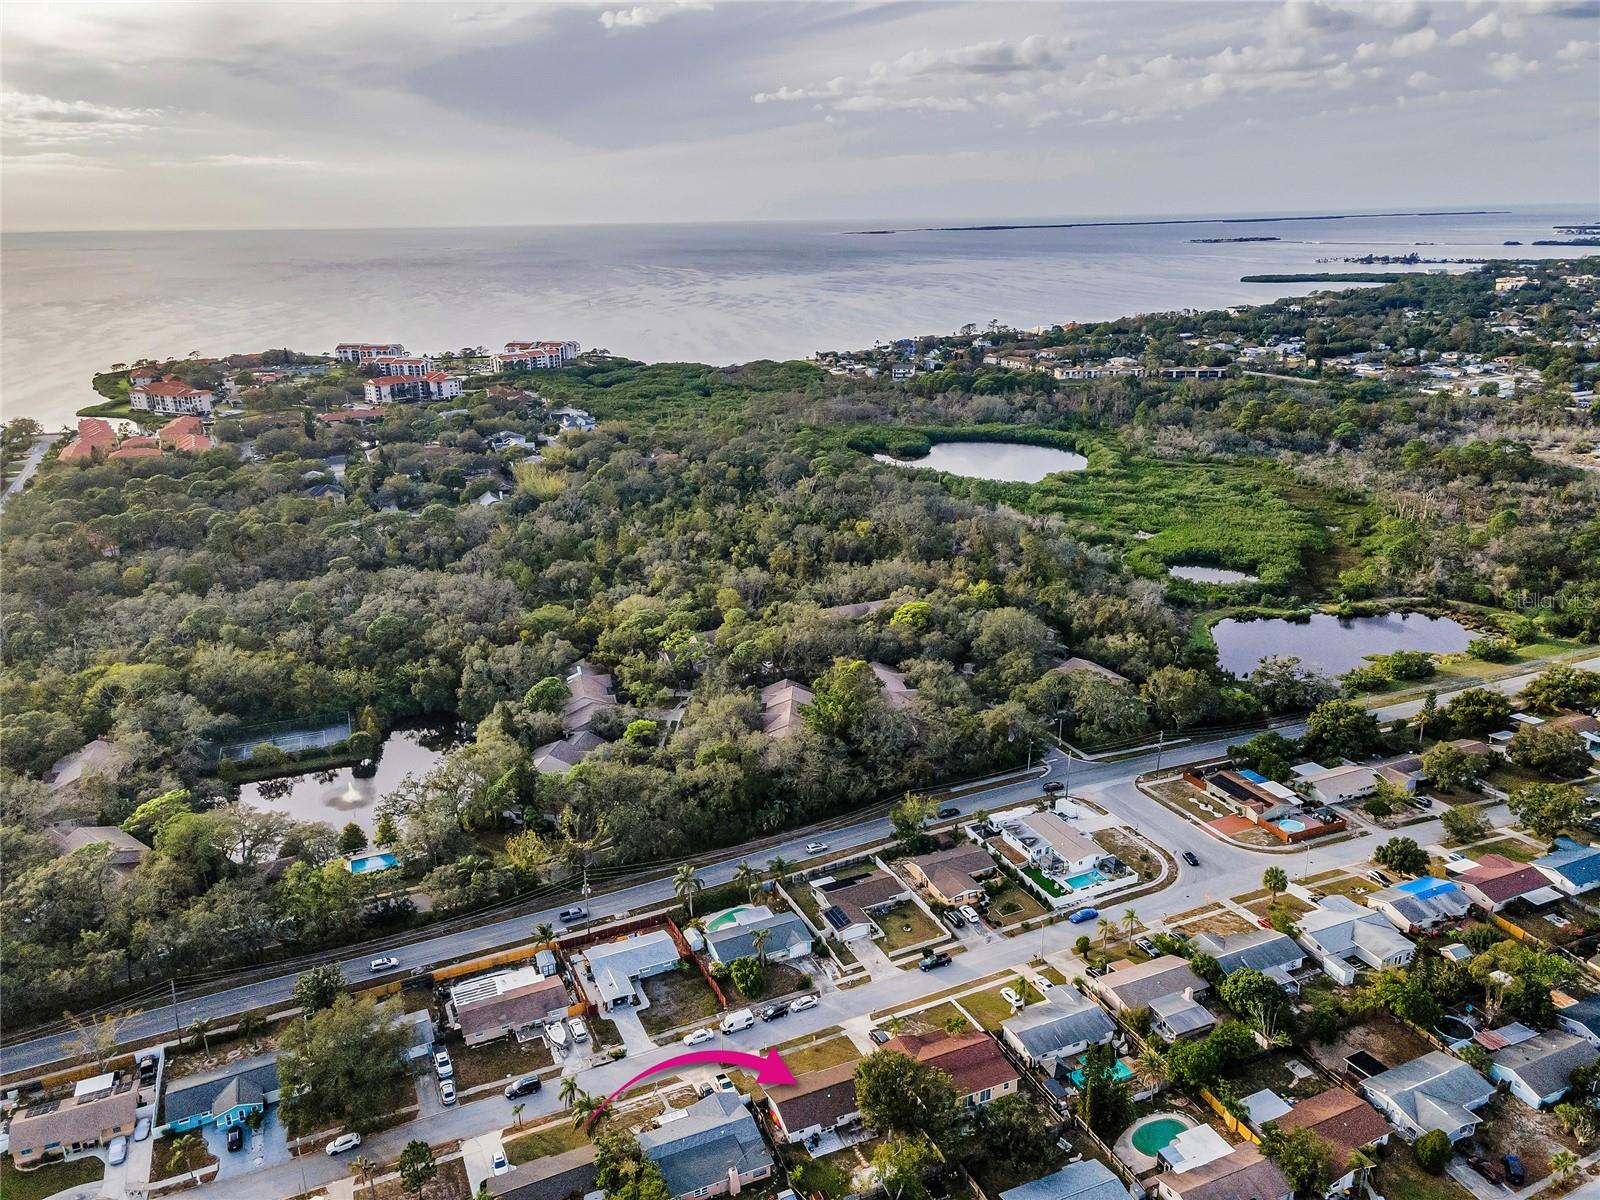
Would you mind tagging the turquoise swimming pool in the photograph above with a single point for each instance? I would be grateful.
(364, 864)
(1156, 1135)
(1120, 1071)
(1085, 879)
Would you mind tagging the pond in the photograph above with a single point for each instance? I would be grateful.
(1210, 575)
(1003, 462)
(1333, 645)
(339, 796)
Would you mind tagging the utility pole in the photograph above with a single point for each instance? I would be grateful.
(1161, 744)
(172, 986)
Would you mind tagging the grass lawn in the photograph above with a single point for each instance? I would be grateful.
(676, 998)
(1397, 1177)
(1012, 906)
(163, 1165)
(48, 1179)
(1292, 904)
(552, 1139)
(1220, 921)
(1052, 974)
(498, 1060)
(988, 1009)
(905, 926)
(821, 1177)
(936, 1017)
(1049, 886)
(1513, 848)
(1349, 885)
(1274, 1072)
(821, 1055)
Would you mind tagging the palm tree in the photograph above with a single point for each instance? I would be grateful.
(746, 877)
(364, 1169)
(687, 885)
(516, 1114)
(1104, 928)
(758, 940)
(188, 1151)
(200, 1032)
(1130, 922)
(777, 867)
(544, 932)
(587, 1110)
(1151, 1067)
(570, 1091)
(1565, 1165)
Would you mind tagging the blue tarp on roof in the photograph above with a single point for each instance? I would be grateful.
(1253, 777)
(1428, 885)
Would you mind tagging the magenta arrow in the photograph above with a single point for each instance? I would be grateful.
(770, 1070)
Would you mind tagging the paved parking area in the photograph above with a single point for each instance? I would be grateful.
(264, 1147)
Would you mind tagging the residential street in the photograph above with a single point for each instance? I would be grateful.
(41, 447)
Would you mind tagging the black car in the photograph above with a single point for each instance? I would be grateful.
(1054, 786)
(773, 1011)
(954, 919)
(1189, 857)
(1515, 1175)
(933, 962)
(525, 1086)
(948, 811)
(147, 1069)
(235, 1137)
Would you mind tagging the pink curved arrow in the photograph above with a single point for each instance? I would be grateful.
(770, 1070)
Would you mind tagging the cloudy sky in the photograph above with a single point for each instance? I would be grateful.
(237, 115)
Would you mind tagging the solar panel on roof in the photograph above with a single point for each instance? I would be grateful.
(834, 915)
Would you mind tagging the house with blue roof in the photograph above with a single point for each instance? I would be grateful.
(1572, 867)
(1419, 905)
(221, 1098)
(714, 1149)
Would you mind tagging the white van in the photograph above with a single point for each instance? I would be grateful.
(738, 1020)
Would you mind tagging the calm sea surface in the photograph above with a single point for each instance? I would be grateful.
(74, 303)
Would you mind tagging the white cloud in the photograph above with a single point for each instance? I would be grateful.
(1402, 16)
(1422, 81)
(29, 119)
(1419, 42)
(1507, 67)
(1577, 52)
(1484, 27)
(641, 15)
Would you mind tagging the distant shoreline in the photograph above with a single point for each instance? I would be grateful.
(1453, 212)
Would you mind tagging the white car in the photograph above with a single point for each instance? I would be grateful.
(696, 1036)
(442, 1065)
(379, 965)
(119, 1151)
(816, 847)
(802, 1004)
(971, 915)
(447, 1091)
(1042, 985)
(1011, 997)
(345, 1141)
(579, 1033)
(499, 1165)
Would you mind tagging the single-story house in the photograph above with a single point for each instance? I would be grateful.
(99, 1109)
(1538, 1071)
(818, 1102)
(897, 693)
(848, 907)
(1572, 867)
(1068, 665)
(1241, 1173)
(715, 1150)
(1497, 880)
(127, 851)
(1586, 727)
(1247, 792)
(1276, 955)
(1064, 1026)
(1086, 1179)
(952, 876)
(615, 968)
(1340, 785)
(788, 937)
(1134, 986)
(94, 758)
(1346, 1123)
(1419, 905)
(560, 756)
(1434, 1091)
(566, 1176)
(589, 693)
(491, 1006)
(1344, 937)
(1405, 772)
(781, 703)
(1180, 1015)
(1579, 1015)
(973, 1060)
(223, 1097)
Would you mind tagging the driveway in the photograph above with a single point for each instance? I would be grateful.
(477, 1156)
(264, 1147)
(630, 1029)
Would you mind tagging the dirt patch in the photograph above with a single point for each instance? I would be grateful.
(1190, 801)
(497, 1060)
(1381, 1035)
(676, 998)
(1132, 850)
(1220, 921)
(1509, 1126)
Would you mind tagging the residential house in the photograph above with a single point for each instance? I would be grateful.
(95, 440)
(1180, 1015)
(1086, 1179)
(566, 1176)
(715, 1150)
(1338, 785)
(1539, 1070)
(1572, 868)
(330, 492)
(1586, 727)
(1066, 1024)
(615, 968)
(356, 416)
(560, 756)
(491, 1006)
(360, 352)
(186, 435)
(91, 760)
(1128, 987)
(171, 396)
(780, 707)
(1497, 880)
(848, 908)
(573, 418)
(817, 1103)
(98, 1110)
(589, 693)
(1343, 936)
(434, 385)
(1435, 1091)
(127, 851)
(953, 876)
(1068, 665)
(897, 694)
(1248, 792)
(1420, 905)
(1046, 841)
(973, 1060)
(1241, 1174)
(1579, 1015)
(1276, 955)
(1346, 1124)
(788, 937)
(223, 1097)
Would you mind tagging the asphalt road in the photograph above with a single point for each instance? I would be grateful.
(31, 464)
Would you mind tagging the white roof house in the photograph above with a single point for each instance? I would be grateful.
(1435, 1091)
(1066, 1024)
(1049, 841)
(615, 968)
(1344, 937)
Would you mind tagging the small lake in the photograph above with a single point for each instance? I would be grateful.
(339, 797)
(1003, 462)
(1210, 575)
(1331, 645)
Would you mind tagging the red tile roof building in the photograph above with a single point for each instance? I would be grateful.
(171, 395)
(435, 385)
(410, 367)
(95, 440)
(523, 356)
(973, 1061)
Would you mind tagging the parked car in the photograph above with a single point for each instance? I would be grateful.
(970, 914)
(447, 1091)
(148, 1066)
(1264, 923)
(803, 1003)
(1191, 858)
(1096, 972)
(118, 1151)
(954, 919)
(1485, 1168)
(695, 1036)
(948, 811)
(498, 1163)
(816, 847)
(442, 1066)
(235, 1137)
(738, 1020)
(1010, 996)
(1515, 1175)
(932, 962)
(141, 1129)
(1042, 985)
(1146, 945)
(345, 1141)
(1380, 878)
(526, 1086)
(568, 915)
(722, 1082)
(1079, 916)
(579, 1032)
(773, 1011)
(1054, 786)
(880, 1036)
(379, 965)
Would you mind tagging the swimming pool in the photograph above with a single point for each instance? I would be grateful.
(1156, 1134)
(1290, 825)
(1120, 1071)
(725, 919)
(1085, 879)
(364, 864)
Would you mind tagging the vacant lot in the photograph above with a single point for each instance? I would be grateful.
(1286, 1073)
(1130, 850)
(1381, 1035)
(676, 998)
(551, 1139)
(817, 1056)
(498, 1060)
(989, 1009)
(907, 925)
(1397, 1177)
(1220, 921)
(1511, 1127)
(1345, 885)
(1512, 848)
(1012, 906)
